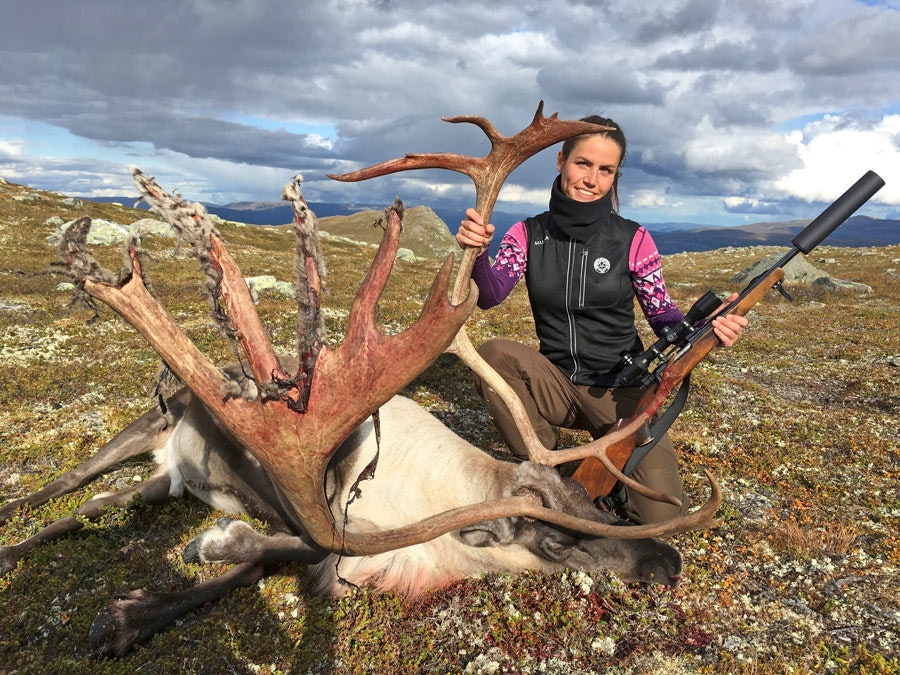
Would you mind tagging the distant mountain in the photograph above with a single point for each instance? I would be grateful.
(670, 237)
(424, 233)
(857, 231)
(676, 237)
(261, 213)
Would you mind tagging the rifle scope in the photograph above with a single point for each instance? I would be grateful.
(636, 366)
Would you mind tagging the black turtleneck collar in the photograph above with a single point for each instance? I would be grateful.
(575, 218)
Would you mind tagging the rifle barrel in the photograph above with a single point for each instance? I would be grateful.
(842, 208)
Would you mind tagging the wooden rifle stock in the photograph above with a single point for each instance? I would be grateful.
(591, 473)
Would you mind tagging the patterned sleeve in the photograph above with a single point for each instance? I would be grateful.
(496, 281)
(649, 285)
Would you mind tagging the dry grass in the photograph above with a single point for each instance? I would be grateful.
(810, 541)
(801, 422)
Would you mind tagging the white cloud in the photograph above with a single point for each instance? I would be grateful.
(703, 88)
(513, 193)
(836, 151)
(726, 150)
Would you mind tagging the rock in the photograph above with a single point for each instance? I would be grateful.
(153, 227)
(72, 202)
(894, 361)
(832, 284)
(406, 255)
(269, 285)
(28, 197)
(102, 233)
(797, 270)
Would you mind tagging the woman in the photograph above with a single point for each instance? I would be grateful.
(583, 265)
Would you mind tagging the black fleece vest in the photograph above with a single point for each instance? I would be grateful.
(582, 299)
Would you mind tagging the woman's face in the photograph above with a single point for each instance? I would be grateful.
(588, 172)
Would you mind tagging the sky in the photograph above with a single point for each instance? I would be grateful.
(736, 111)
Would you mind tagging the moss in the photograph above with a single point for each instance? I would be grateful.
(800, 421)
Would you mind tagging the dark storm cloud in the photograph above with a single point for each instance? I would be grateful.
(726, 55)
(693, 16)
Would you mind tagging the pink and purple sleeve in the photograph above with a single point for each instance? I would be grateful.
(649, 285)
(496, 281)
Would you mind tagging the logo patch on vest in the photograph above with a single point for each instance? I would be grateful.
(601, 265)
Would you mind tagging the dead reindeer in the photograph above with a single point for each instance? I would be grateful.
(362, 485)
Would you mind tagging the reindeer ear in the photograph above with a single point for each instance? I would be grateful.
(491, 533)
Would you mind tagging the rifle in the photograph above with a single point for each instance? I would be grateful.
(682, 347)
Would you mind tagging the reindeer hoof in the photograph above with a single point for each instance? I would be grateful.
(9, 558)
(115, 629)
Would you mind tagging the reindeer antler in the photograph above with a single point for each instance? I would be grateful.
(489, 173)
(294, 446)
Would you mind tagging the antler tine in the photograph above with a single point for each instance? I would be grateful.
(489, 129)
(193, 223)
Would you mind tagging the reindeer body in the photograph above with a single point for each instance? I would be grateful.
(423, 469)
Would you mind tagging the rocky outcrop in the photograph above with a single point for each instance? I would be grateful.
(799, 270)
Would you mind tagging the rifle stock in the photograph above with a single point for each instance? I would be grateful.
(690, 350)
(591, 473)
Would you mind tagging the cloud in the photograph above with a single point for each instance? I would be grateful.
(712, 94)
(837, 150)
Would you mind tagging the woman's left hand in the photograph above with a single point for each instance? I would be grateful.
(729, 328)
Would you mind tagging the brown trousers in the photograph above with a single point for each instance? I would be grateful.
(552, 400)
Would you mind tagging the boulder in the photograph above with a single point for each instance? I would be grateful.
(797, 270)
(268, 284)
(102, 233)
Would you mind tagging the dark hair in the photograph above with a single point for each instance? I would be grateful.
(617, 136)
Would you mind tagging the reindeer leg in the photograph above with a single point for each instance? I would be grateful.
(134, 617)
(234, 541)
(146, 433)
(154, 491)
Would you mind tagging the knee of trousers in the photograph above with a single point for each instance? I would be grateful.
(496, 353)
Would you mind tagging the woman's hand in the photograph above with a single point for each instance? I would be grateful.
(473, 231)
(729, 328)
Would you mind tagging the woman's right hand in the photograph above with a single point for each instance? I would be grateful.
(472, 231)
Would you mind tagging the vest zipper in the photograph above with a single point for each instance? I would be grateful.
(582, 282)
(570, 281)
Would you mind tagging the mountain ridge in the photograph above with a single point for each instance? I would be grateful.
(670, 237)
